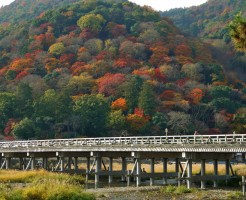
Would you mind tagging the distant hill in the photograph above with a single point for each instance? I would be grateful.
(21, 10)
(208, 20)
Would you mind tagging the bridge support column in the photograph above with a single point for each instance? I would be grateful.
(138, 175)
(76, 163)
(189, 173)
(203, 172)
(110, 169)
(177, 165)
(88, 162)
(61, 163)
(69, 165)
(8, 162)
(215, 172)
(45, 163)
(98, 168)
(32, 163)
(152, 171)
(165, 171)
(227, 168)
(124, 166)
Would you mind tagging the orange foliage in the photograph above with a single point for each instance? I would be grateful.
(126, 62)
(20, 64)
(160, 54)
(136, 122)
(196, 95)
(79, 67)
(119, 104)
(51, 64)
(167, 95)
(183, 50)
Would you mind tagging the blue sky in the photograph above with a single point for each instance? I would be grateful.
(156, 4)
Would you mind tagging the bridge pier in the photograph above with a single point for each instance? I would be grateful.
(215, 172)
(88, 162)
(45, 163)
(138, 172)
(152, 171)
(124, 167)
(8, 162)
(76, 164)
(165, 171)
(189, 173)
(110, 169)
(203, 172)
(98, 160)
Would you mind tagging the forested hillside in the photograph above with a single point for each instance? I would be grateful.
(97, 68)
(210, 22)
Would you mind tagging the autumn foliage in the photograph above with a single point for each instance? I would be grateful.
(119, 104)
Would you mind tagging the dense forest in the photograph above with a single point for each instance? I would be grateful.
(100, 68)
(210, 22)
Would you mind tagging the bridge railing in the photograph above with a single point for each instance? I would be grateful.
(130, 141)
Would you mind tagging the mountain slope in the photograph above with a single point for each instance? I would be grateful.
(96, 68)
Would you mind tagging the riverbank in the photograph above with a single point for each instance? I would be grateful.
(165, 193)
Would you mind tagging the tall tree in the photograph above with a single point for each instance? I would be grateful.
(147, 99)
(93, 112)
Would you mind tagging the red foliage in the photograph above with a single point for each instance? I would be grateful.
(102, 55)
(9, 138)
(21, 75)
(9, 126)
(109, 83)
(159, 76)
(139, 112)
(87, 34)
(67, 58)
(116, 29)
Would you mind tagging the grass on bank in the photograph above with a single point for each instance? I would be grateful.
(41, 185)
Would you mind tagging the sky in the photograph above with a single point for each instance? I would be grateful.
(156, 4)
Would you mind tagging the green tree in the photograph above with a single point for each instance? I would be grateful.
(132, 88)
(24, 100)
(160, 119)
(116, 120)
(237, 29)
(7, 107)
(57, 49)
(25, 129)
(92, 22)
(146, 99)
(50, 109)
(93, 112)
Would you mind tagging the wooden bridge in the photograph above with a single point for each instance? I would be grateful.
(98, 154)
